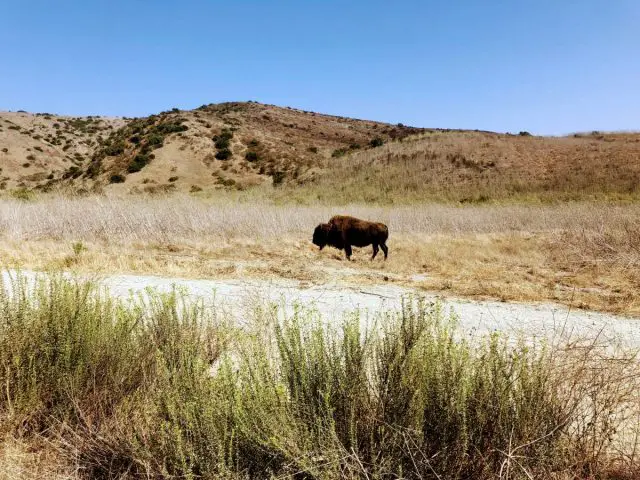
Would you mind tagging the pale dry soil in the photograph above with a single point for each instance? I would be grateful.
(244, 300)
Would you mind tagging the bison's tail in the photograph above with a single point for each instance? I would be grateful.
(384, 233)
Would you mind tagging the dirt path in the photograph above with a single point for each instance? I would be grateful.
(240, 297)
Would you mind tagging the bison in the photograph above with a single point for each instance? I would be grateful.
(343, 232)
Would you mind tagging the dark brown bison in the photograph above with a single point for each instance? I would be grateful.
(343, 232)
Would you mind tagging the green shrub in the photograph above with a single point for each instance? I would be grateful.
(224, 154)
(376, 142)
(312, 149)
(23, 194)
(78, 248)
(138, 163)
(339, 152)
(166, 128)
(278, 177)
(173, 179)
(117, 178)
(158, 387)
(114, 149)
(155, 140)
(225, 133)
(222, 143)
(251, 156)
(72, 172)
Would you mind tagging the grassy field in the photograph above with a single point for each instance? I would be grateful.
(94, 387)
(582, 254)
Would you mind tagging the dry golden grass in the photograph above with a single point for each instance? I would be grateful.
(31, 460)
(582, 254)
(480, 167)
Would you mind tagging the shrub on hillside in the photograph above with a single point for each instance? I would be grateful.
(278, 177)
(224, 154)
(114, 149)
(222, 140)
(155, 140)
(251, 156)
(221, 143)
(339, 152)
(376, 142)
(138, 163)
(117, 178)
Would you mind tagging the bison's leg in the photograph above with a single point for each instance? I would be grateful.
(385, 250)
(347, 251)
(375, 251)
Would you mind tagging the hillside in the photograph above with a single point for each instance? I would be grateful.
(230, 145)
(306, 155)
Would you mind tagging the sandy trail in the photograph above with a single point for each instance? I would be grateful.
(239, 297)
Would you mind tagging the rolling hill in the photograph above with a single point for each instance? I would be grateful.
(306, 156)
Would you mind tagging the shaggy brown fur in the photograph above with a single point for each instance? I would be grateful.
(344, 232)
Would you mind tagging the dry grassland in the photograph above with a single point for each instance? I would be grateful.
(294, 156)
(581, 254)
(479, 167)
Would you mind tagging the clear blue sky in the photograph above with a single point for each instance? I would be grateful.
(544, 66)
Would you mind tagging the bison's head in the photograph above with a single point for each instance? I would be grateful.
(321, 235)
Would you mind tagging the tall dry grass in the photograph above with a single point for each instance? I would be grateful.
(582, 254)
(478, 167)
(182, 218)
(162, 388)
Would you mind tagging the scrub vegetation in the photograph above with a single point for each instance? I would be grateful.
(161, 387)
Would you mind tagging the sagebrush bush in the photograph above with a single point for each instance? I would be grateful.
(161, 387)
